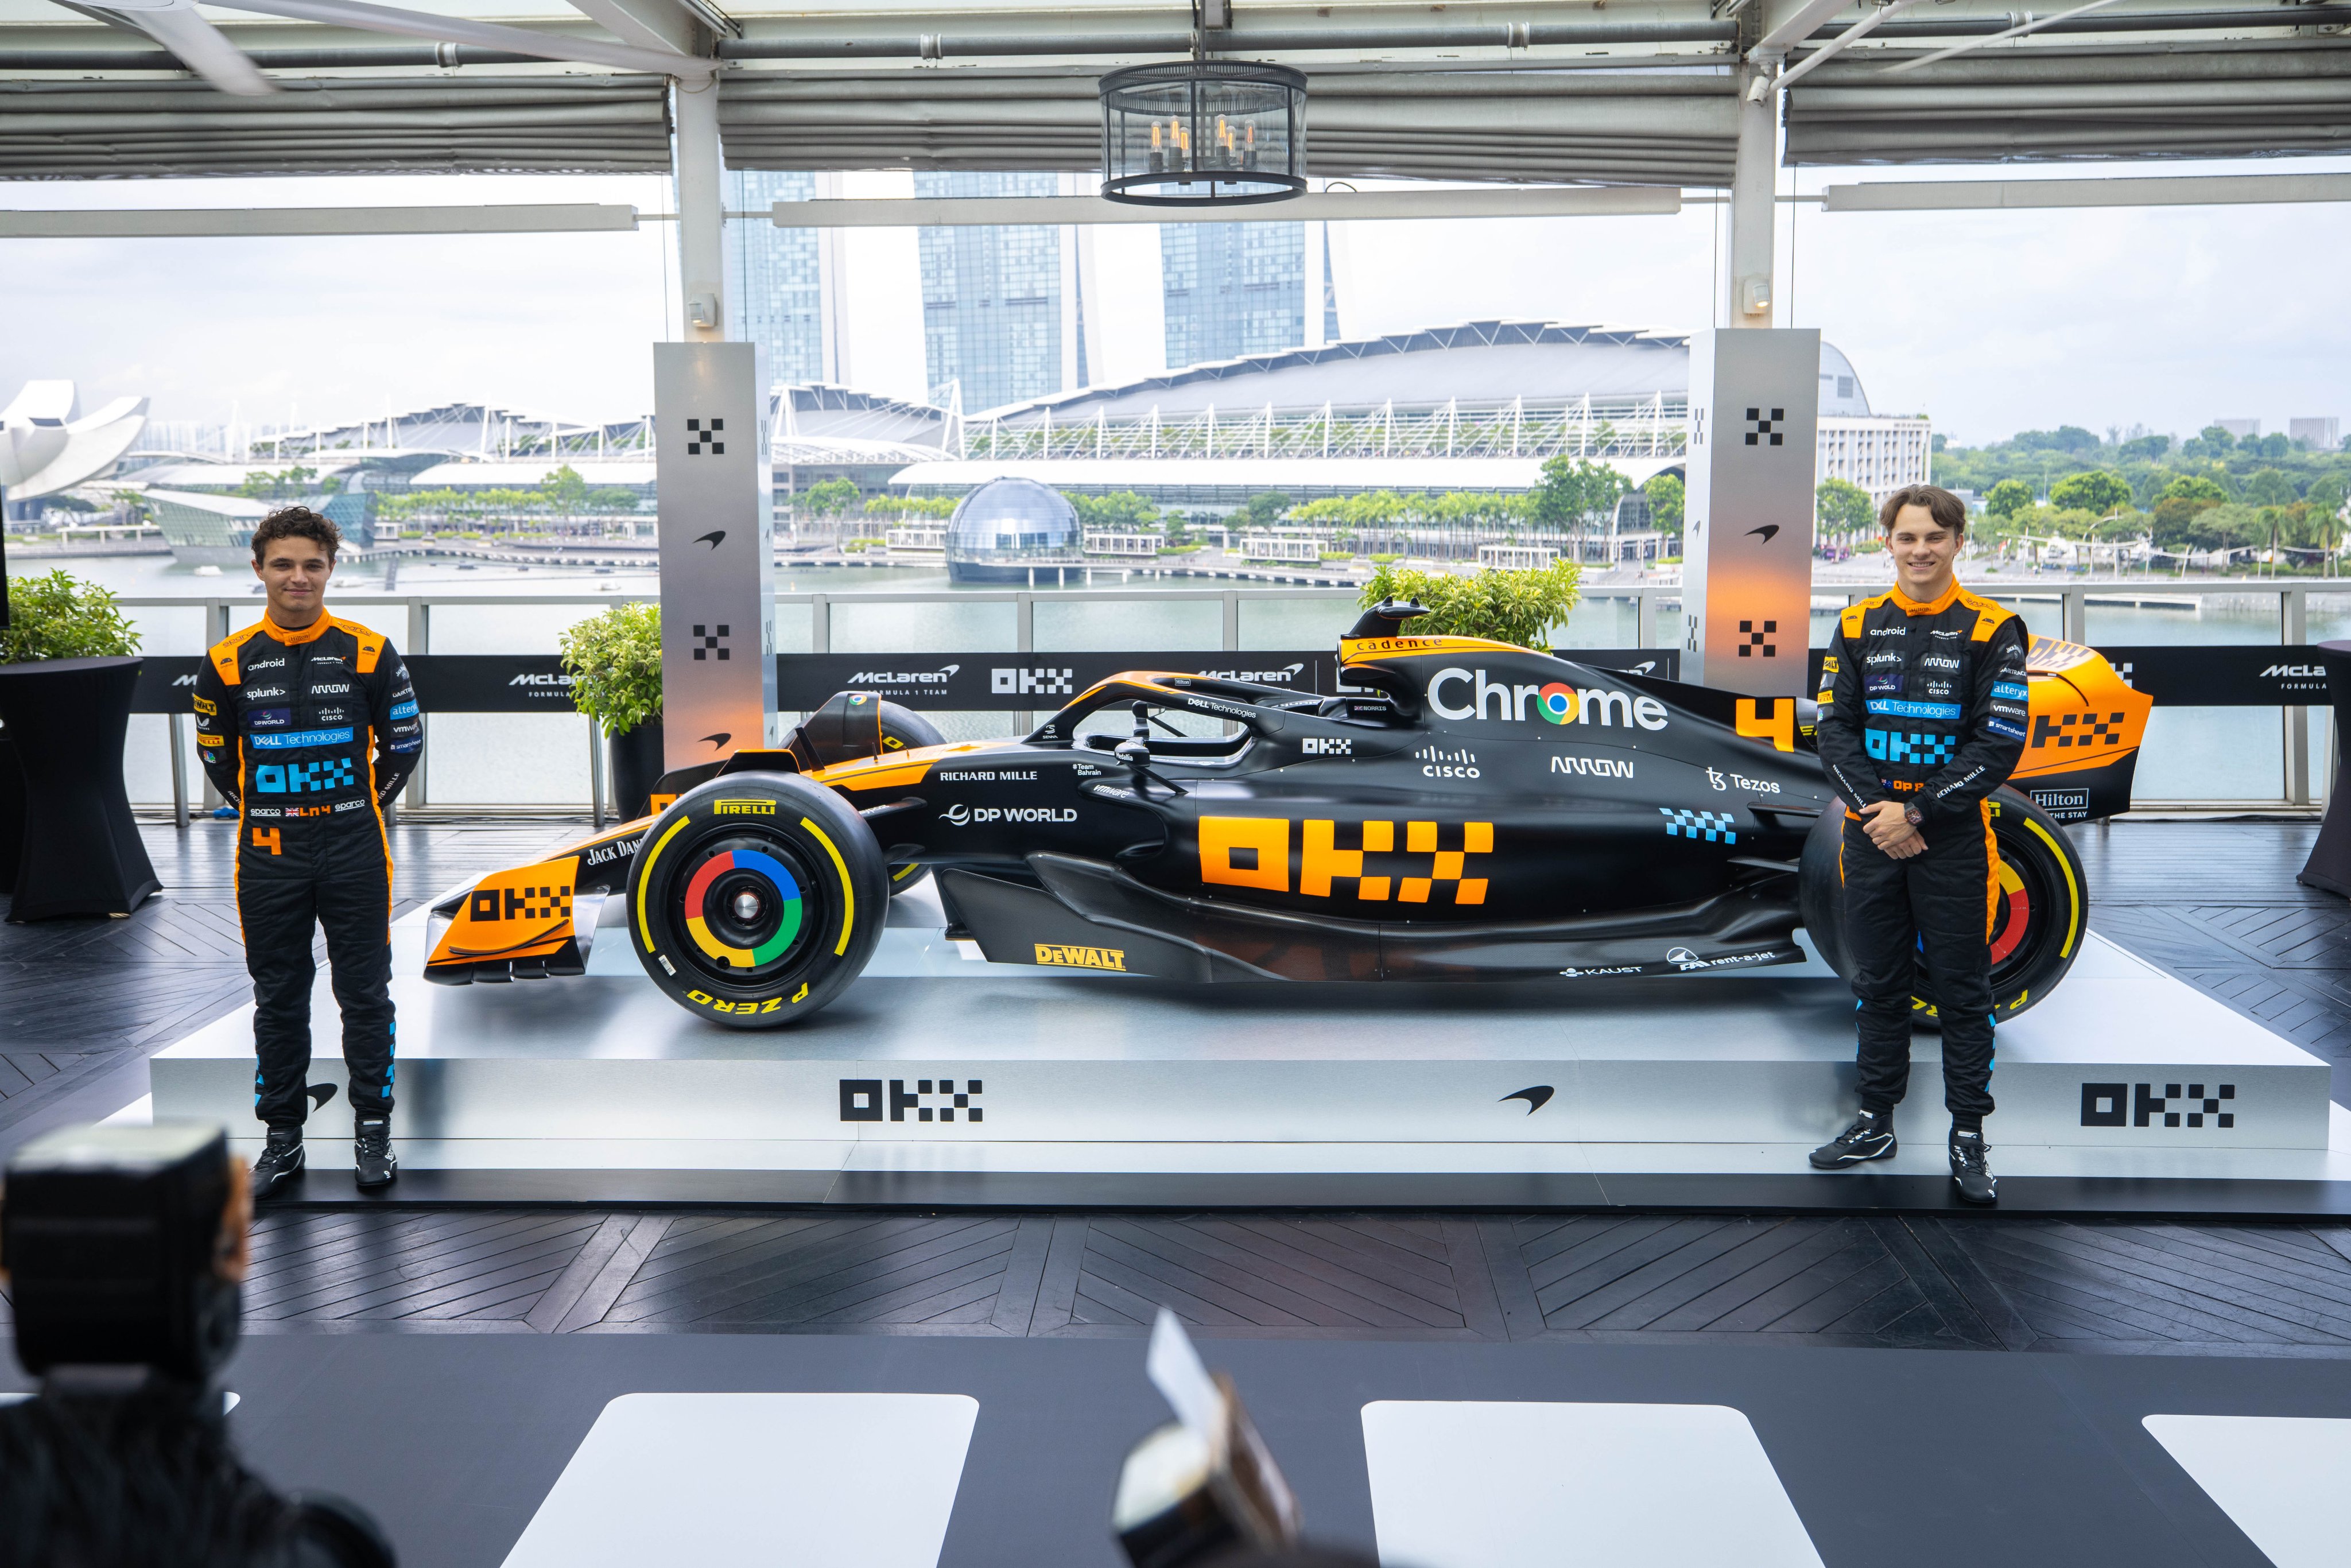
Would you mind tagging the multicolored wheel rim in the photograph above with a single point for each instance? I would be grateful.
(781, 890)
(2015, 907)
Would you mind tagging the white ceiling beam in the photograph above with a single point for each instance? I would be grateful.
(2033, 25)
(184, 223)
(2176, 191)
(964, 212)
(648, 23)
(489, 35)
(1839, 43)
(204, 49)
(1798, 25)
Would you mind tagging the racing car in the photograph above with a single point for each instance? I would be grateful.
(1462, 809)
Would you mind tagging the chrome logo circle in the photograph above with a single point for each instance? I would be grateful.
(723, 887)
(1556, 703)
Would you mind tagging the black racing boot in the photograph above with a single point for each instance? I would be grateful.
(1871, 1137)
(281, 1161)
(1972, 1168)
(372, 1160)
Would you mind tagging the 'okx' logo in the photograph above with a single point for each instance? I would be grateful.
(865, 1100)
(2108, 1104)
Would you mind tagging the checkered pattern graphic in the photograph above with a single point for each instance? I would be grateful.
(1044, 683)
(2081, 729)
(1759, 641)
(1714, 827)
(520, 903)
(713, 643)
(704, 433)
(1760, 428)
(1909, 745)
(2146, 1106)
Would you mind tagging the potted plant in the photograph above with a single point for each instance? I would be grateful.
(614, 661)
(69, 665)
(1518, 607)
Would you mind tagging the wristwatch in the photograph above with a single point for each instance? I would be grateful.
(1915, 816)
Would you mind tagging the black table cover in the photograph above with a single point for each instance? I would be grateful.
(2329, 867)
(81, 852)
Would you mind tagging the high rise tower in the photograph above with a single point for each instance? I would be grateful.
(1236, 289)
(786, 281)
(1005, 306)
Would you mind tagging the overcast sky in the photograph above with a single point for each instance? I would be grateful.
(1988, 322)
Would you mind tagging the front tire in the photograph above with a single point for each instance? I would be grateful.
(757, 897)
(2039, 917)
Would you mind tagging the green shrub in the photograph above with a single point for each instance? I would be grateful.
(1504, 606)
(615, 660)
(59, 616)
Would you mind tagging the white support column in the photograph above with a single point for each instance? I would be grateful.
(1749, 271)
(701, 211)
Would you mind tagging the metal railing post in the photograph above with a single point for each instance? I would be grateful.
(820, 623)
(178, 727)
(2078, 614)
(1232, 620)
(595, 776)
(215, 631)
(419, 641)
(1645, 615)
(1024, 622)
(2296, 634)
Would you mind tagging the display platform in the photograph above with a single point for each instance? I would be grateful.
(940, 1079)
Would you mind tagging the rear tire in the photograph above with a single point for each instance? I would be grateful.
(757, 897)
(2038, 926)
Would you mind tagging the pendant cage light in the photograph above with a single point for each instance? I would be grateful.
(1196, 134)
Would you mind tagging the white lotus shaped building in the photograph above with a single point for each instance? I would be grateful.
(47, 447)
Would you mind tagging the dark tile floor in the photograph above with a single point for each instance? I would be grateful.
(2215, 902)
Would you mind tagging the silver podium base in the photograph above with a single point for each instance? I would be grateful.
(938, 1077)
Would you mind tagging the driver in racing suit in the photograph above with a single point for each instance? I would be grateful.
(307, 724)
(1922, 717)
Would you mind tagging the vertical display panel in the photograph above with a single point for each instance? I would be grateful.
(1746, 545)
(717, 552)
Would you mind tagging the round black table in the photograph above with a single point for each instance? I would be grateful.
(2329, 867)
(82, 854)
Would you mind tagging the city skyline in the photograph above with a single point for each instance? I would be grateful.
(1992, 322)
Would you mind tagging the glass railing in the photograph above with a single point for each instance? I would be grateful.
(2268, 758)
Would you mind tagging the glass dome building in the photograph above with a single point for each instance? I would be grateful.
(1016, 531)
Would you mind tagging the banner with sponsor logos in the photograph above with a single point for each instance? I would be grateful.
(1037, 682)
(445, 682)
(2210, 675)
(2217, 674)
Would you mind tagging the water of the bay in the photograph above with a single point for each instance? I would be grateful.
(2204, 754)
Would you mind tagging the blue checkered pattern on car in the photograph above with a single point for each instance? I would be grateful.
(1904, 745)
(1714, 827)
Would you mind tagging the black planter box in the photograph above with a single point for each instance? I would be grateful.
(636, 767)
(81, 852)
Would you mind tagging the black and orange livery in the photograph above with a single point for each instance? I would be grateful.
(1463, 809)
(309, 732)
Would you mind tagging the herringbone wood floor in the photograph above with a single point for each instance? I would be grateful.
(2214, 902)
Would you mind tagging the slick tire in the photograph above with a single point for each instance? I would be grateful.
(2041, 913)
(757, 897)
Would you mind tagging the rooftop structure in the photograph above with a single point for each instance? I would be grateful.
(1478, 406)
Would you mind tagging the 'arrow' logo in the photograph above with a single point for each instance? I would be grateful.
(1768, 530)
(721, 738)
(1536, 1098)
(712, 538)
